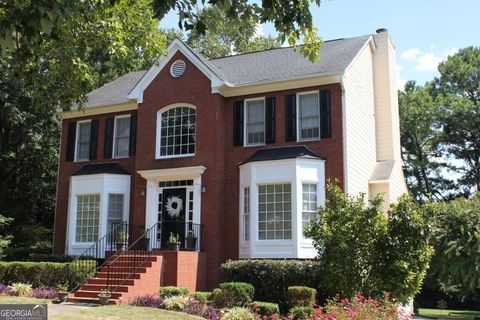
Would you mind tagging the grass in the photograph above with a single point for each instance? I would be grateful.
(112, 312)
(449, 314)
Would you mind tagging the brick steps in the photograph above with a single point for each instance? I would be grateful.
(145, 280)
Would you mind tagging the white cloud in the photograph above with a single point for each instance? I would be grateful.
(400, 81)
(427, 62)
(411, 54)
(258, 31)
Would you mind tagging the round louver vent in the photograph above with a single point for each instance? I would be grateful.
(178, 68)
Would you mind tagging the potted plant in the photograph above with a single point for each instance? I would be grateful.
(191, 240)
(173, 242)
(122, 238)
(62, 293)
(104, 296)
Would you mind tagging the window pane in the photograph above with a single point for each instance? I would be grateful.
(122, 136)
(274, 213)
(309, 116)
(83, 141)
(246, 214)
(309, 203)
(88, 212)
(177, 132)
(255, 121)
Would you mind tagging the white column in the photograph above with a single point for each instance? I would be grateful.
(151, 204)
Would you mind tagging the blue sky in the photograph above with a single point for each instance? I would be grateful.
(424, 31)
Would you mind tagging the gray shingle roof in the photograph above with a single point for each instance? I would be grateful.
(279, 153)
(284, 63)
(114, 92)
(249, 68)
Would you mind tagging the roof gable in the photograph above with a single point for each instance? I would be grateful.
(177, 45)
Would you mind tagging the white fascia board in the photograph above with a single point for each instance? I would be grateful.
(177, 45)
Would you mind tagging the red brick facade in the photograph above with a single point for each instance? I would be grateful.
(214, 150)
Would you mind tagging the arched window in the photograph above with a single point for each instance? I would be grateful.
(176, 131)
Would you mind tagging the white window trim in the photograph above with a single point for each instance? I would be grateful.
(159, 130)
(299, 138)
(242, 215)
(76, 139)
(293, 216)
(114, 143)
(245, 133)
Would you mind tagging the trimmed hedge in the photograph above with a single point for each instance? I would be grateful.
(265, 308)
(233, 294)
(172, 291)
(202, 297)
(271, 278)
(302, 313)
(299, 296)
(38, 274)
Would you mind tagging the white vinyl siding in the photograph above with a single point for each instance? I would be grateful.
(274, 212)
(255, 122)
(308, 116)
(122, 137)
(88, 214)
(83, 141)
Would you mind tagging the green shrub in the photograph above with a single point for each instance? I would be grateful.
(298, 296)
(239, 314)
(21, 289)
(170, 291)
(302, 313)
(175, 303)
(265, 308)
(233, 294)
(48, 274)
(202, 297)
(271, 278)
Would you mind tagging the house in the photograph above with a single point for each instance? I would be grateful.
(235, 151)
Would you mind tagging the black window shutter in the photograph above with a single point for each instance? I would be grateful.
(108, 145)
(238, 123)
(291, 117)
(270, 120)
(325, 115)
(133, 134)
(93, 139)
(71, 137)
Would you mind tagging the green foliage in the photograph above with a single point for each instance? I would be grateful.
(420, 131)
(202, 297)
(176, 303)
(302, 313)
(239, 313)
(271, 278)
(362, 251)
(48, 274)
(265, 308)
(4, 240)
(458, 94)
(456, 240)
(227, 36)
(170, 291)
(21, 289)
(233, 294)
(301, 296)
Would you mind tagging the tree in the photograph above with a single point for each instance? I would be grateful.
(32, 20)
(423, 158)
(361, 250)
(458, 90)
(93, 46)
(224, 37)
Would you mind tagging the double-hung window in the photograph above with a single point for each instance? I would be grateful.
(309, 203)
(274, 212)
(308, 116)
(255, 122)
(176, 132)
(83, 141)
(88, 215)
(121, 142)
(246, 214)
(115, 211)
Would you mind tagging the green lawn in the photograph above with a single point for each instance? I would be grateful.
(449, 314)
(66, 312)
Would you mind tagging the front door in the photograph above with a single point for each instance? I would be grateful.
(173, 215)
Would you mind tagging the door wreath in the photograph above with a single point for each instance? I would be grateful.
(174, 206)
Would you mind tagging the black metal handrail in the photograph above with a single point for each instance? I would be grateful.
(174, 235)
(91, 259)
